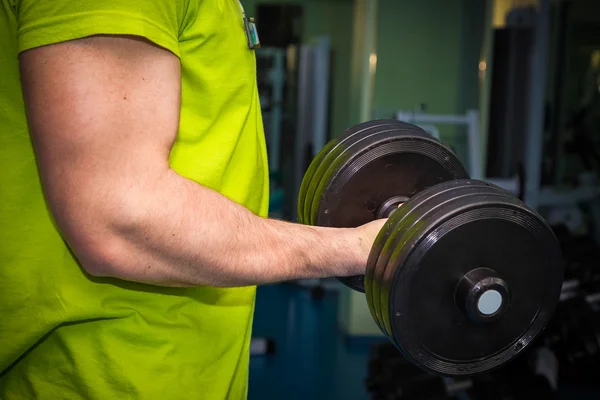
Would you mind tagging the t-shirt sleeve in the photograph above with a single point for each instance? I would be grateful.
(44, 22)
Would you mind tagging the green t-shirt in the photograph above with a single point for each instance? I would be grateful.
(66, 335)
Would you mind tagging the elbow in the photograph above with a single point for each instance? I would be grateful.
(101, 255)
(100, 248)
(101, 222)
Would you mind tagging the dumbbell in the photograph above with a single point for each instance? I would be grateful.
(463, 276)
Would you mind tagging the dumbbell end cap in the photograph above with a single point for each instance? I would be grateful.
(482, 295)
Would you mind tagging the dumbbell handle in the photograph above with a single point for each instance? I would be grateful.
(390, 205)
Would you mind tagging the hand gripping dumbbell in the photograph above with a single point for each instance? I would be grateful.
(463, 276)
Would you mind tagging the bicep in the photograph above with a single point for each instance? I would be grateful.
(103, 113)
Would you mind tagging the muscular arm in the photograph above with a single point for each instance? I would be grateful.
(103, 113)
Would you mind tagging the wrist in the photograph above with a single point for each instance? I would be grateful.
(346, 252)
(314, 252)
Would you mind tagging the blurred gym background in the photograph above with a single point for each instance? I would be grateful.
(513, 87)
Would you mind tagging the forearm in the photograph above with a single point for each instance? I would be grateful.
(179, 233)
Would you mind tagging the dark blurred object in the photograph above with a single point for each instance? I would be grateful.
(317, 292)
(262, 346)
(574, 333)
(392, 377)
(582, 123)
(574, 337)
(580, 134)
(509, 101)
(554, 118)
(279, 25)
(581, 254)
(514, 387)
(517, 381)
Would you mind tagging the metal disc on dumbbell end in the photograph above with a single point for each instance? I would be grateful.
(332, 146)
(389, 237)
(374, 173)
(471, 283)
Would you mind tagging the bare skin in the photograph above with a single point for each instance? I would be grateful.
(92, 104)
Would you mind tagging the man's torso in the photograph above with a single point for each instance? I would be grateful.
(66, 335)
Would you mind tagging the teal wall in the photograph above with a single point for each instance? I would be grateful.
(428, 52)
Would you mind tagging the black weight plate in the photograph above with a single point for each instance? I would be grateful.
(374, 255)
(320, 157)
(424, 205)
(385, 164)
(409, 232)
(343, 151)
(493, 230)
(482, 344)
(319, 164)
(340, 161)
(400, 222)
(380, 253)
(410, 220)
(306, 180)
(514, 329)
